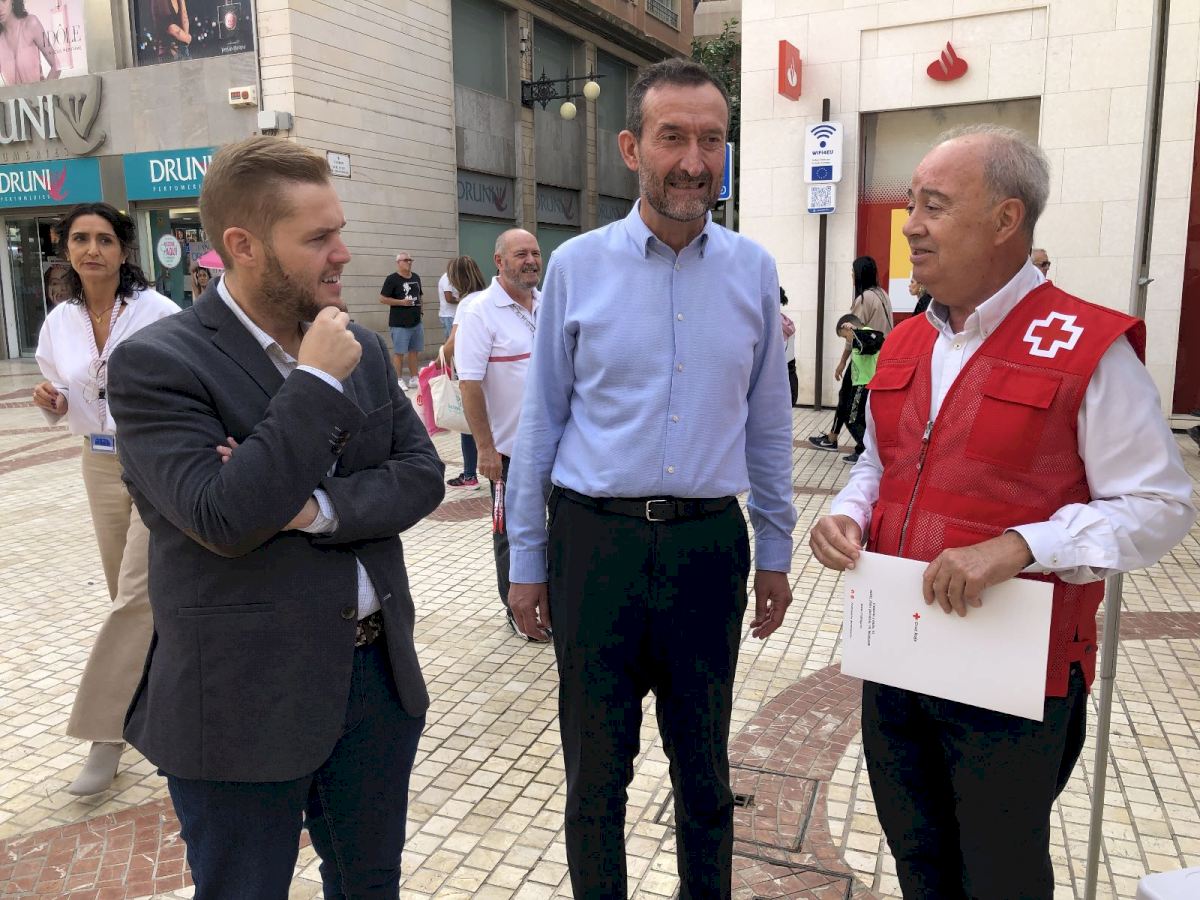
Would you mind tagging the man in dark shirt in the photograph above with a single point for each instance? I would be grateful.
(402, 292)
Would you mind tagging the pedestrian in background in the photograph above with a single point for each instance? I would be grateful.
(493, 343)
(401, 292)
(873, 308)
(448, 297)
(466, 278)
(789, 347)
(109, 299)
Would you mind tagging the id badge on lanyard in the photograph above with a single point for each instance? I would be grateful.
(102, 443)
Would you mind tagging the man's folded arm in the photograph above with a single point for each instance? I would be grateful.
(168, 432)
(389, 498)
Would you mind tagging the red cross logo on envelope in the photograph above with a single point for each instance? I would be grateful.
(1047, 336)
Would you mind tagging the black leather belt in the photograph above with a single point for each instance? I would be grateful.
(653, 509)
(369, 629)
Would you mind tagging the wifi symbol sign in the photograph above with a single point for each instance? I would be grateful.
(823, 153)
(823, 133)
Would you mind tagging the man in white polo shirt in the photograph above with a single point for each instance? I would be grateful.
(492, 347)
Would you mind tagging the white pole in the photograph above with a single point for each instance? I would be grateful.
(1144, 231)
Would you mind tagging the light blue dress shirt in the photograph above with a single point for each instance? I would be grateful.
(655, 375)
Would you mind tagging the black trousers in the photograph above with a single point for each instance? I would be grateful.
(964, 794)
(856, 421)
(500, 539)
(841, 415)
(638, 607)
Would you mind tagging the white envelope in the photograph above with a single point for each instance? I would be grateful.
(994, 657)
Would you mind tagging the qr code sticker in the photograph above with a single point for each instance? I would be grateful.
(820, 196)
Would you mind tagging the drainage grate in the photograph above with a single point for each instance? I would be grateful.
(770, 810)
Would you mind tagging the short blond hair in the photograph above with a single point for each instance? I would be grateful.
(243, 187)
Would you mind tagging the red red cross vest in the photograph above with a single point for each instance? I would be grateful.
(1003, 450)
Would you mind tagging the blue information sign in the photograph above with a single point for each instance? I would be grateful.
(727, 178)
(166, 173)
(57, 182)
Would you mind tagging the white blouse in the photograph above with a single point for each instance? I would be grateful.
(67, 351)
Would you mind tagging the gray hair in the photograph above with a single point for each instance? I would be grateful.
(1014, 167)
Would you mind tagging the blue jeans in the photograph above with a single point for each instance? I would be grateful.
(470, 454)
(243, 837)
(447, 324)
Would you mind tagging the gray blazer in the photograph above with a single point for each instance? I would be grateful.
(249, 670)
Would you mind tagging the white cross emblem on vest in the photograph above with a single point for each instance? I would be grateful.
(1057, 329)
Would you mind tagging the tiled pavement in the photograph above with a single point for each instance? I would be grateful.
(486, 810)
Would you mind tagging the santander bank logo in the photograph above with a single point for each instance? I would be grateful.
(948, 66)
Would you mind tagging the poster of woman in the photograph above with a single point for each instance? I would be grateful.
(170, 30)
(41, 40)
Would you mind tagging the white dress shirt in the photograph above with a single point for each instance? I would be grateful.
(1142, 506)
(67, 349)
(326, 520)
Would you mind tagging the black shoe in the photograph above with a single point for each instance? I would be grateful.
(851, 458)
(822, 442)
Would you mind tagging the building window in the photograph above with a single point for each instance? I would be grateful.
(664, 10)
(553, 53)
(479, 48)
(611, 111)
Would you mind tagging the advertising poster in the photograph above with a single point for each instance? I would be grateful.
(171, 30)
(41, 40)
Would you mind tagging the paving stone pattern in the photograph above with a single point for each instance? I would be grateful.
(485, 817)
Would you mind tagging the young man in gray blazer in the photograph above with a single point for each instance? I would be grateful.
(275, 461)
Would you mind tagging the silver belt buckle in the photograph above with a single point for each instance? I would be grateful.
(650, 512)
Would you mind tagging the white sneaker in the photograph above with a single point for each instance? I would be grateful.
(413, 384)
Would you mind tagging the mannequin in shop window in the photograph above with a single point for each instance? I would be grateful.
(23, 45)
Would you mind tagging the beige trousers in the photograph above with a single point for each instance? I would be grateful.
(115, 664)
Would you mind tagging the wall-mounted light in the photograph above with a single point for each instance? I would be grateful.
(545, 90)
(524, 42)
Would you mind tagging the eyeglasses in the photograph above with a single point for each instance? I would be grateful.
(95, 389)
(1044, 266)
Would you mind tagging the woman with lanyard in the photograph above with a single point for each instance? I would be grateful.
(110, 299)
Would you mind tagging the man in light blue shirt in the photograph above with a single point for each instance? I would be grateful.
(657, 392)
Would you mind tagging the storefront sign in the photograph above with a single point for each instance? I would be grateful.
(557, 206)
(166, 173)
(67, 114)
(56, 183)
(485, 195)
(164, 32)
(169, 250)
(55, 29)
(789, 71)
(611, 209)
(823, 152)
(948, 66)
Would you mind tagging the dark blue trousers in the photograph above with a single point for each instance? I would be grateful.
(243, 837)
(964, 794)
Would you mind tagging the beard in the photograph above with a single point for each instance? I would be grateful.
(525, 276)
(682, 209)
(280, 291)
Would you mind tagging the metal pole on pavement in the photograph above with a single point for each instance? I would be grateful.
(1144, 232)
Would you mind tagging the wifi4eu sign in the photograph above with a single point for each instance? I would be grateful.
(823, 153)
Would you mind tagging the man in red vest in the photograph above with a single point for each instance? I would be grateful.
(1054, 461)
